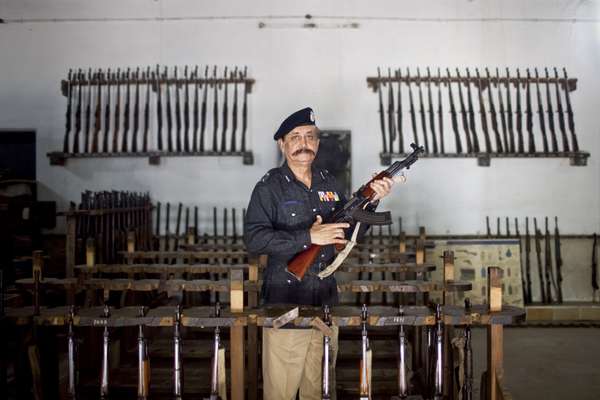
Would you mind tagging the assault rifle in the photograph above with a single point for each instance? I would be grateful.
(354, 211)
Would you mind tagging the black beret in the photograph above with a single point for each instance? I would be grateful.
(299, 118)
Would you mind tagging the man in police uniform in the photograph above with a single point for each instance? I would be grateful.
(285, 216)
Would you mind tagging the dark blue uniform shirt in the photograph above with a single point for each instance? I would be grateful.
(278, 219)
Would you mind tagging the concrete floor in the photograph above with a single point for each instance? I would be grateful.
(546, 363)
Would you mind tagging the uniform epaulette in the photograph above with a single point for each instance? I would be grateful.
(325, 174)
(269, 175)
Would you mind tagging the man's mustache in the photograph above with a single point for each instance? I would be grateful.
(298, 152)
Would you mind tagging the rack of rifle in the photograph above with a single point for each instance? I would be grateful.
(106, 222)
(440, 366)
(510, 129)
(156, 112)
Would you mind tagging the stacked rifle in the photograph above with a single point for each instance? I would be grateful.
(500, 122)
(549, 276)
(105, 221)
(187, 227)
(156, 112)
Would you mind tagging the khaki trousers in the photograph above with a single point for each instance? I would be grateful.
(292, 361)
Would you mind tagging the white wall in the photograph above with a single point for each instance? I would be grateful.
(324, 68)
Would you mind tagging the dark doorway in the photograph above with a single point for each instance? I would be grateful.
(17, 155)
(335, 155)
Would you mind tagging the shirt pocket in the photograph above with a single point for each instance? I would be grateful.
(293, 215)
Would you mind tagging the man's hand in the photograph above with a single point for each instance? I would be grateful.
(323, 234)
(382, 187)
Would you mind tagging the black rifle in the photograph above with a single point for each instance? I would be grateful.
(487, 227)
(467, 387)
(422, 112)
(440, 113)
(203, 110)
(399, 113)
(559, 261)
(215, 111)
(550, 112)
(73, 373)
(234, 226)
(177, 114)
(78, 114)
(595, 286)
(143, 361)
(107, 113)
(453, 115)
(570, 119)
(509, 114)
(126, 114)
(494, 117)
(413, 117)
(402, 360)
(146, 78)
(471, 114)
(157, 232)
(169, 113)
(521, 144)
(541, 112)
(353, 211)
(391, 107)
(463, 112)
(88, 114)
(529, 114)
(115, 138)
(177, 356)
(561, 115)
(104, 372)
(507, 228)
(245, 111)
(364, 389)
(196, 112)
(68, 114)
(97, 112)
(234, 112)
(225, 112)
(186, 112)
(326, 356)
(136, 113)
(527, 290)
(178, 227)
(538, 251)
(159, 112)
(381, 111)
(167, 228)
(214, 376)
(483, 114)
(548, 265)
(502, 113)
(431, 113)
(195, 224)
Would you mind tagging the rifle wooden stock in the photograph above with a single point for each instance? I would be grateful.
(463, 112)
(422, 112)
(245, 112)
(561, 115)
(519, 111)
(381, 113)
(399, 113)
(471, 113)
(431, 113)
(413, 117)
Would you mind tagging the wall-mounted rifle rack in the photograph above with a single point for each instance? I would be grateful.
(521, 115)
(156, 112)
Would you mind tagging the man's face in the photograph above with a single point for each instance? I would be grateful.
(301, 144)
